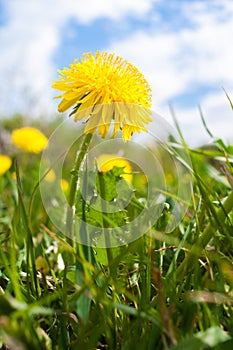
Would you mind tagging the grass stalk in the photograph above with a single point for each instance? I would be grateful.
(205, 237)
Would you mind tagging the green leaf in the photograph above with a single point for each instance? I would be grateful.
(191, 343)
(229, 99)
(213, 336)
(210, 338)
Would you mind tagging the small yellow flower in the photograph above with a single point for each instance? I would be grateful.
(42, 265)
(5, 163)
(51, 176)
(64, 185)
(107, 162)
(105, 88)
(29, 139)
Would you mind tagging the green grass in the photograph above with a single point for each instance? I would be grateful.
(163, 291)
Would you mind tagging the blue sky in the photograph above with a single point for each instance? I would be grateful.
(183, 47)
(77, 38)
(102, 31)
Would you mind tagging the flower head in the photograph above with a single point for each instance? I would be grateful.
(107, 162)
(105, 88)
(64, 185)
(29, 139)
(5, 163)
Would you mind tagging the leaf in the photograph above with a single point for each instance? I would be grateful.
(213, 336)
(204, 123)
(228, 97)
(105, 199)
(61, 241)
(191, 343)
(101, 255)
(210, 338)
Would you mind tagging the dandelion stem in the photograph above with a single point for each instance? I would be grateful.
(74, 181)
(106, 230)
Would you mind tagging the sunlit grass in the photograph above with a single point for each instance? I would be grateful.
(162, 291)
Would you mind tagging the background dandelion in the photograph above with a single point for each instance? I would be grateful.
(5, 163)
(29, 139)
(107, 162)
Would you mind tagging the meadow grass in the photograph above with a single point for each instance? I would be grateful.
(163, 291)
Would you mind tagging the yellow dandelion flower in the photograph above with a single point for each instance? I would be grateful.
(105, 88)
(51, 176)
(29, 139)
(64, 185)
(5, 163)
(107, 162)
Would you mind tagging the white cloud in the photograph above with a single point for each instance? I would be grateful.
(218, 117)
(84, 12)
(30, 37)
(175, 63)
(199, 53)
